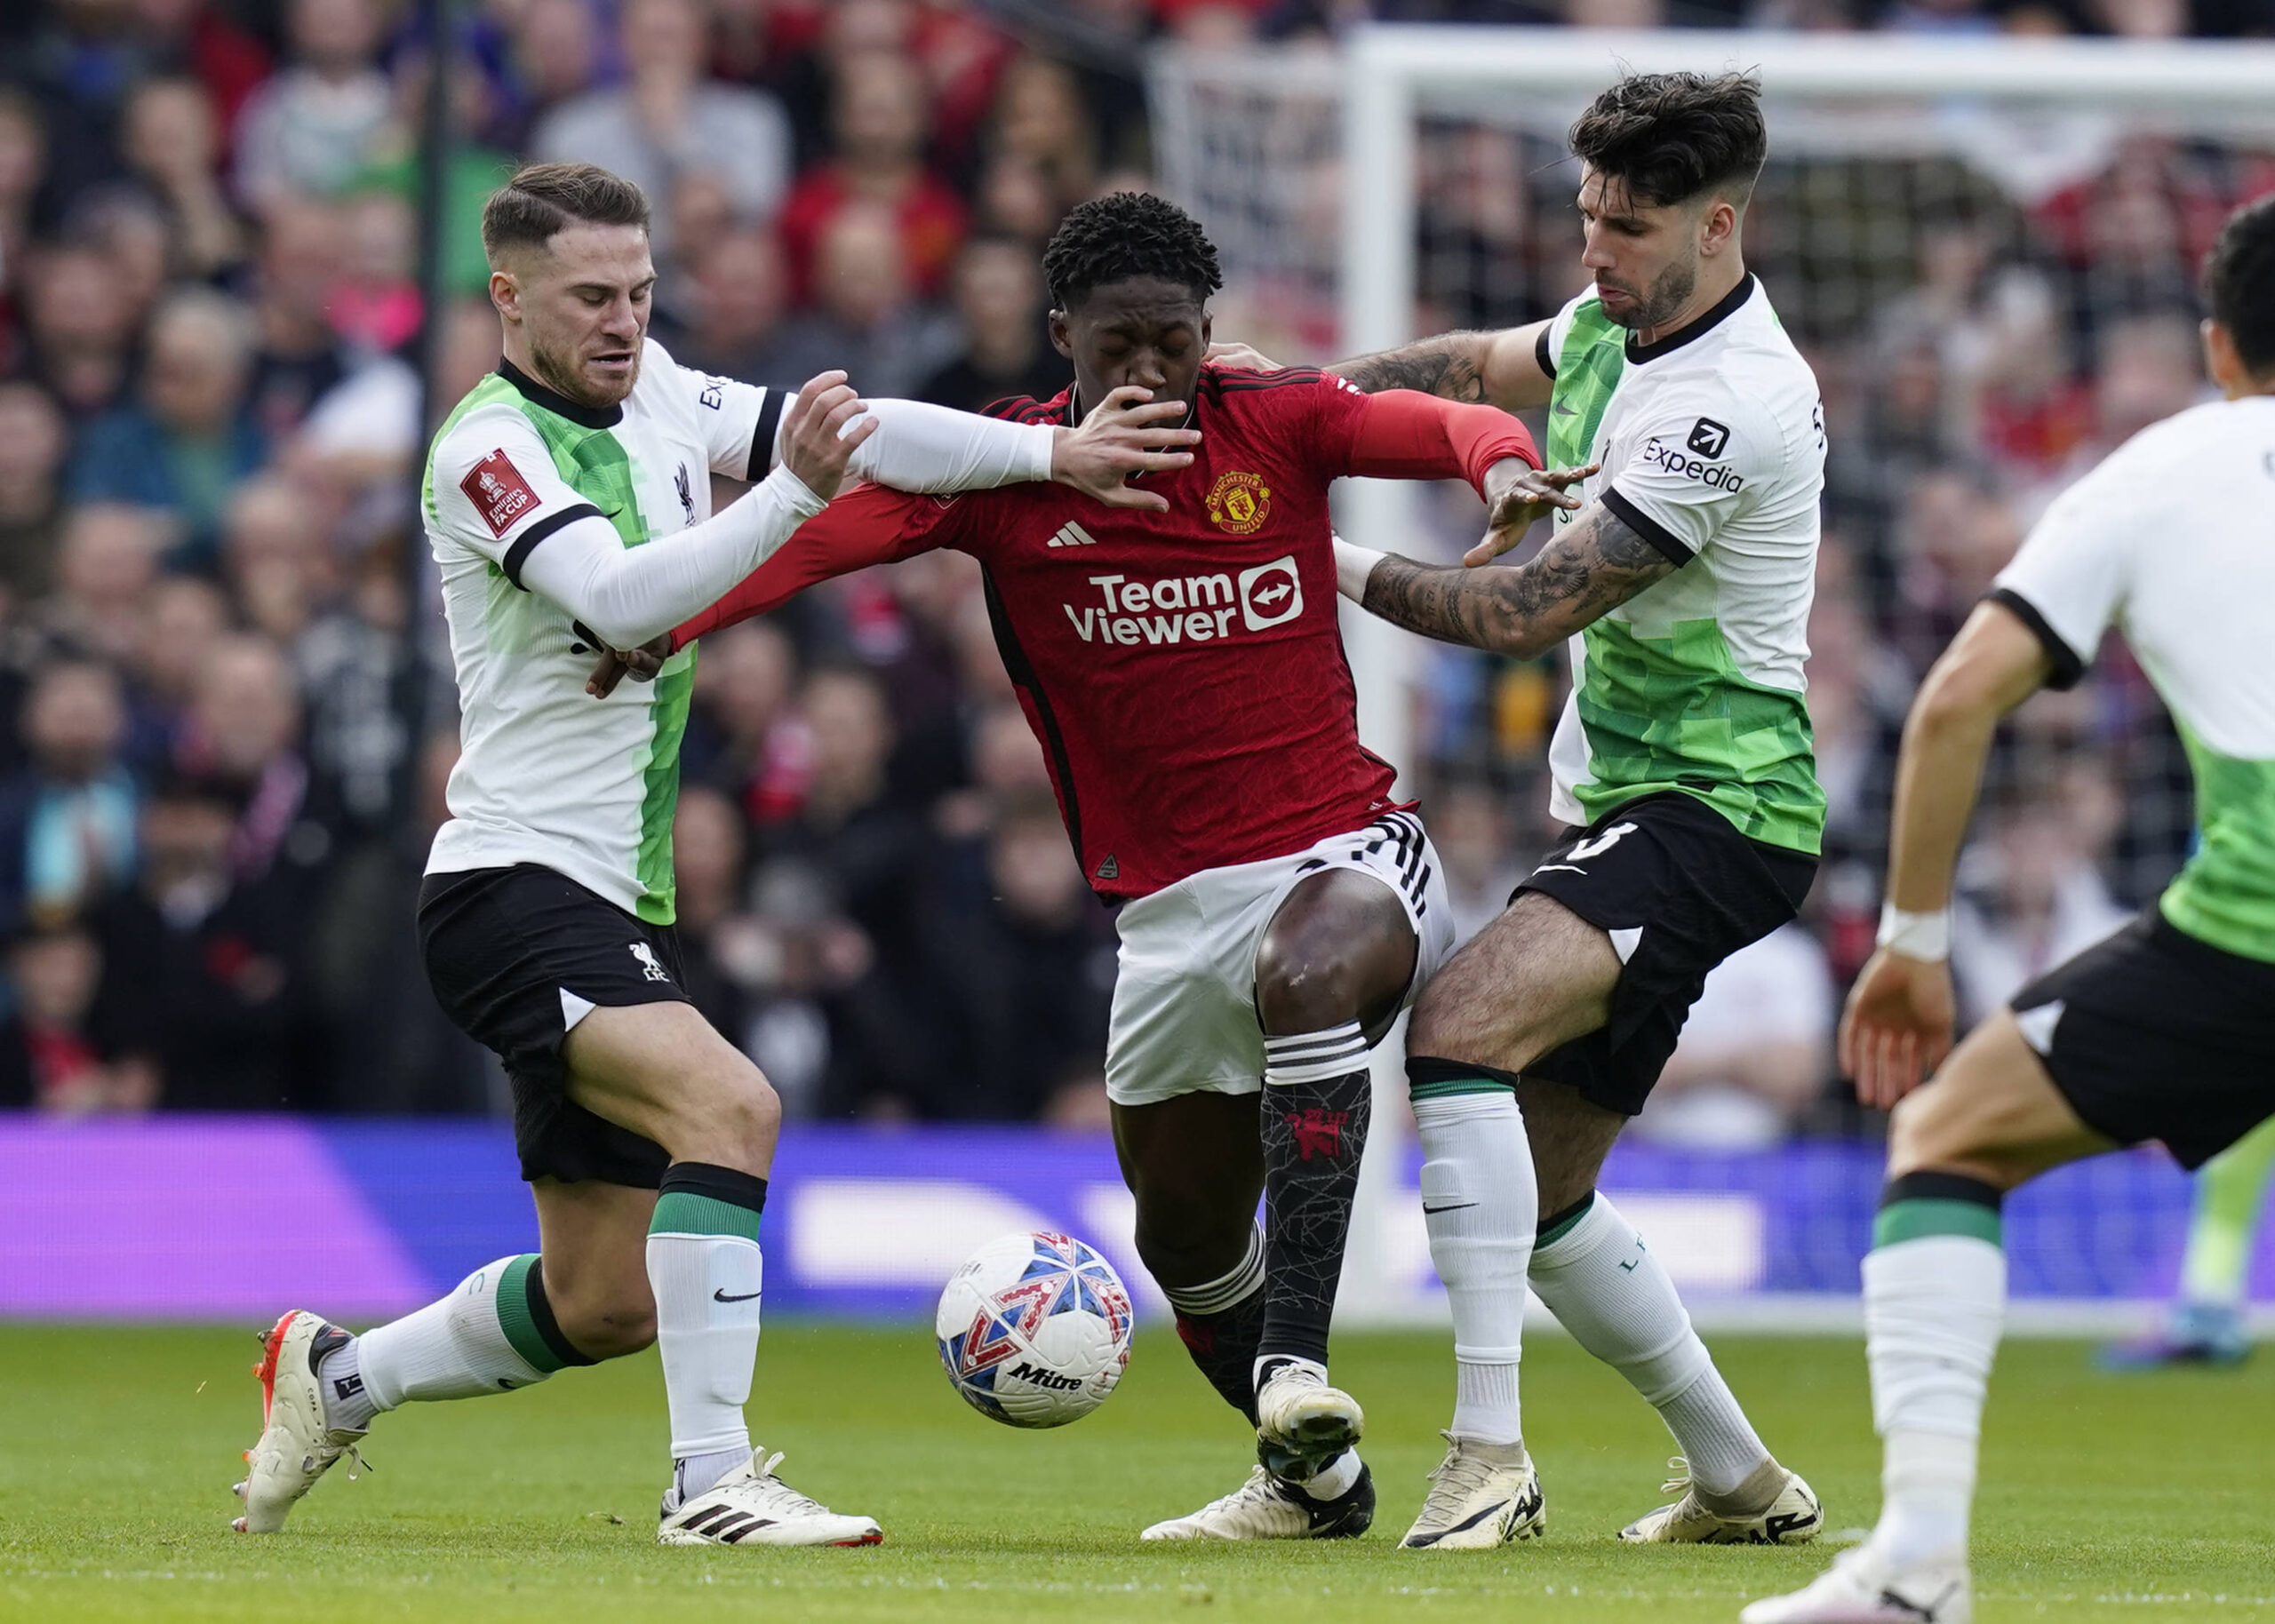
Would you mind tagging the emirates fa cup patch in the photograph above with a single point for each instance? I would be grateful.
(499, 492)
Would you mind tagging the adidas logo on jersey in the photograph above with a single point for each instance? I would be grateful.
(1072, 536)
(1193, 608)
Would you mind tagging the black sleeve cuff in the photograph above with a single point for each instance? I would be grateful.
(1649, 528)
(523, 544)
(761, 439)
(2068, 668)
(1540, 351)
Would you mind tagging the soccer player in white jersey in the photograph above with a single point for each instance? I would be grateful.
(568, 501)
(2164, 1031)
(1681, 574)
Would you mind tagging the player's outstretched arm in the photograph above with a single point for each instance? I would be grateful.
(922, 447)
(1499, 369)
(1898, 1023)
(629, 594)
(1595, 564)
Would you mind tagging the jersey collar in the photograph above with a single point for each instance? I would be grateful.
(1725, 308)
(559, 405)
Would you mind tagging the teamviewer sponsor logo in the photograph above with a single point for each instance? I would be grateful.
(1271, 593)
(1189, 609)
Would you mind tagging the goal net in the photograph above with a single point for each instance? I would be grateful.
(1986, 249)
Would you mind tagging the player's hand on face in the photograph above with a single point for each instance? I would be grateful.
(641, 664)
(817, 445)
(1241, 355)
(1126, 433)
(1897, 1026)
(1520, 499)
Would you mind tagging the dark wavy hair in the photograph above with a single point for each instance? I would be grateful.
(1125, 235)
(542, 198)
(1668, 137)
(2240, 283)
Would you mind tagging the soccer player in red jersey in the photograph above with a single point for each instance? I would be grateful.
(1183, 671)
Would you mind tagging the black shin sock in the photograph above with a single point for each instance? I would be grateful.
(1314, 1131)
(1224, 1346)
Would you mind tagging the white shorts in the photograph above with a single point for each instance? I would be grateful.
(1184, 1017)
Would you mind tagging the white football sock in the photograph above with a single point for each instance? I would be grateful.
(1481, 1203)
(706, 1270)
(1933, 1307)
(1606, 1288)
(481, 1339)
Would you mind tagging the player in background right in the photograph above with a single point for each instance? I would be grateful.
(2205, 1324)
(2162, 1032)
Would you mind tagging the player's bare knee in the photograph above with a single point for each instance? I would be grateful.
(611, 1332)
(1937, 1129)
(1340, 949)
(1447, 1024)
(1184, 1238)
(733, 1117)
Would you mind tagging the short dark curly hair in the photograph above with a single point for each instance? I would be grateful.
(1124, 234)
(1668, 137)
(2240, 283)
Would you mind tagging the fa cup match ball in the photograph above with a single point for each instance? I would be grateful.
(1034, 1330)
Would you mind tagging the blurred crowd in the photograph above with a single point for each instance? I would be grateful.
(229, 729)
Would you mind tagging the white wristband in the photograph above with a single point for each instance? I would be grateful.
(1352, 565)
(1924, 937)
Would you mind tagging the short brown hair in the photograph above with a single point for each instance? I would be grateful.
(542, 198)
(1670, 136)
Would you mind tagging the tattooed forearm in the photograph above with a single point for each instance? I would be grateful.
(1595, 564)
(1450, 366)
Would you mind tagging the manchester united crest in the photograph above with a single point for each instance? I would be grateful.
(1240, 502)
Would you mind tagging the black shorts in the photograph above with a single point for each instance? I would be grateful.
(504, 948)
(2153, 1034)
(1679, 889)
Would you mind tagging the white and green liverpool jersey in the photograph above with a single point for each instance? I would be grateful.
(2171, 539)
(1711, 443)
(547, 774)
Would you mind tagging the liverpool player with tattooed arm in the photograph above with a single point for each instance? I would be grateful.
(1680, 573)
(568, 500)
(1185, 674)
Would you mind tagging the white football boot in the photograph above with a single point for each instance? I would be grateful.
(1482, 1495)
(1793, 1517)
(751, 1506)
(1269, 1507)
(1859, 1589)
(295, 1447)
(1302, 1423)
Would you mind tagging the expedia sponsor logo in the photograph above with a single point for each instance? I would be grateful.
(1189, 609)
(1713, 475)
(1050, 1380)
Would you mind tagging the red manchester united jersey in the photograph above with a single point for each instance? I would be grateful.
(1183, 671)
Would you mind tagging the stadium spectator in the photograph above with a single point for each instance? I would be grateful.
(103, 573)
(172, 140)
(866, 316)
(1022, 984)
(66, 820)
(79, 328)
(300, 358)
(48, 1058)
(2031, 890)
(202, 972)
(243, 738)
(879, 124)
(312, 125)
(998, 303)
(190, 436)
(31, 490)
(736, 320)
(1469, 822)
(671, 118)
(742, 736)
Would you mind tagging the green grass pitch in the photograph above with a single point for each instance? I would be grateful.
(2103, 1498)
